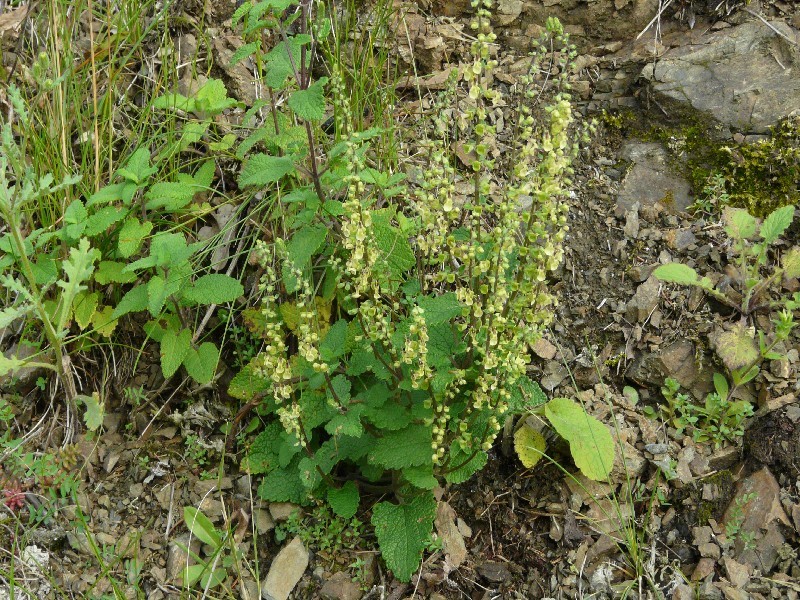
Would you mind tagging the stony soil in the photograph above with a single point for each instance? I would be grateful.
(508, 532)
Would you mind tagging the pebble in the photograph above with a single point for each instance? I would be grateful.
(286, 570)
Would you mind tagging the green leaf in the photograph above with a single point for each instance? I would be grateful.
(174, 348)
(201, 364)
(244, 51)
(421, 477)
(737, 347)
(440, 309)
(263, 169)
(403, 532)
(463, 469)
(409, 447)
(739, 224)
(677, 273)
(83, 308)
(103, 321)
(156, 294)
(530, 445)
(334, 344)
(264, 450)
(305, 243)
(214, 288)
(344, 500)
(791, 263)
(590, 442)
(95, 409)
(132, 235)
(284, 485)
(138, 169)
(135, 300)
(201, 527)
(103, 219)
(395, 251)
(721, 385)
(389, 417)
(309, 104)
(74, 220)
(247, 384)
(109, 271)
(170, 196)
(525, 395)
(776, 223)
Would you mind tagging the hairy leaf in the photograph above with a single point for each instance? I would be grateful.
(284, 485)
(174, 348)
(465, 465)
(215, 288)
(309, 104)
(403, 531)
(407, 447)
(95, 410)
(263, 169)
(440, 309)
(776, 223)
(132, 235)
(201, 364)
(135, 300)
(737, 347)
(344, 500)
(739, 224)
(791, 262)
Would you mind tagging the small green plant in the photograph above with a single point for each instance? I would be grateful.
(743, 348)
(211, 570)
(733, 526)
(322, 529)
(397, 317)
(719, 420)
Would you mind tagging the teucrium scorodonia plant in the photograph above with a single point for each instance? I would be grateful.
(397, 320)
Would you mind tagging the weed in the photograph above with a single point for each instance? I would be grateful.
(733, 526)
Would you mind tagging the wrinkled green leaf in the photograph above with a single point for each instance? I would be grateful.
(590, 442)
(403, 531)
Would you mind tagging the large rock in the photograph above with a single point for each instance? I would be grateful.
(286, 570)
(745, 77)
(651, 179)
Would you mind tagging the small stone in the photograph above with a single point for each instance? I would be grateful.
(644, 301)
(177, 558)
(263, 521)
(702, 535)
(466, 530)
(737, 573)
(733, 593)
(709, 550)
(340, 587)
(683, 592)
(249, 590)
(286, 570)
(704, 568)
(631, 228)
(544, 349)
(281, 511)
(494, 572)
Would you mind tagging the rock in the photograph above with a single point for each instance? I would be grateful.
(651, 180)
(263, 521)
(249, 590)
(544, 349)
(600, 581)
(677, 361)
(286, 570)
(745, 77)
(631, 228)
(705, 566)
(494, 572)
(22, 380)
(756, 511)
(709, 550)
(737, 573)
(644, 301)
(281, 511)
(452, 541)
(683, 592)
(733, 593)
(340, 587)
(680, 239)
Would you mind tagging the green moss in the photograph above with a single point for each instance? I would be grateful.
(759, 176)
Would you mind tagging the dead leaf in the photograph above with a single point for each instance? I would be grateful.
(12, 20)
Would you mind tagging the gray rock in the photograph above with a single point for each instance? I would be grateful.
(651, 180)
(177, 558)
(676, 360)
(644, 301)
(281, 511)
(286, 570)
(745, 77)
(494, 572)
(756, 511)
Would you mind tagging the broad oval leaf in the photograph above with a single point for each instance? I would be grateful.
(403, 531)
(737, 347)
(344, 500)
(739, 224)
(263, 169)
(201, 364)
(530, 445)
(590, 442)
(215, 288)
(174, 348)
(309, 104)
(791, 263)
